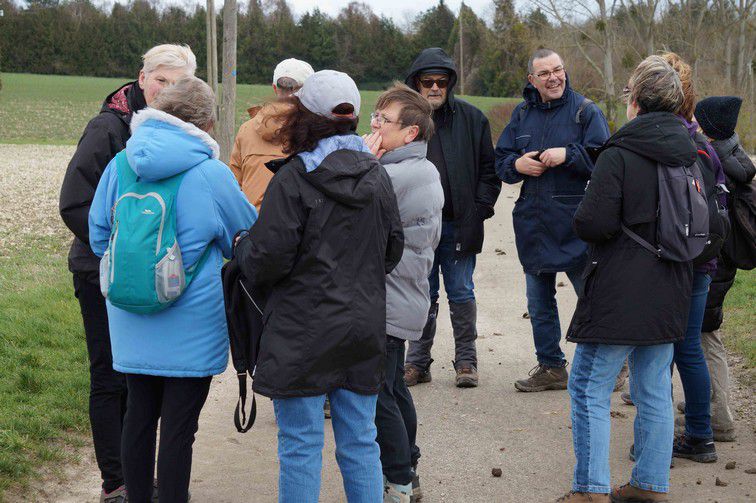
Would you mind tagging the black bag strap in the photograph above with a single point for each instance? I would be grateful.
(645, 244)
(583, 105)
(240, 415)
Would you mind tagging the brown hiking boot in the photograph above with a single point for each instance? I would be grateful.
(576, 497)
(632, 494)
(413, 375)
(543, 378)
(621, 377)
(467, 376)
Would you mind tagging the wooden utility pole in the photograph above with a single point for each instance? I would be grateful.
(212, 47)
(228, 102)
(461, 52)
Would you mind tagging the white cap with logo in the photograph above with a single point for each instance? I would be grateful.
(294, 69)
(327, 89)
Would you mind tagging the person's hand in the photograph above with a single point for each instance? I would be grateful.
(554, 156)
(373, 142)
(529, 165)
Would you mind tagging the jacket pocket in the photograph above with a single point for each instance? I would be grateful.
(572, 200)
(521, 143)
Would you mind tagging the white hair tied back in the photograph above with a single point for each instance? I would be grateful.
(170, 56)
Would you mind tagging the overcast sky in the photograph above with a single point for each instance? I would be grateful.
(400, 10)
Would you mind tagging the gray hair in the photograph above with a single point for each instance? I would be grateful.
(169, 56)
(191, 100)
(287, 84)
(540, 54)
(656, 87)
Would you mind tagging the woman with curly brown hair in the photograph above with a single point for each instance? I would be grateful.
(329, 233)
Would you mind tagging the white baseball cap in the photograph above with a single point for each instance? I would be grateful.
(327, 89)
(294, 69)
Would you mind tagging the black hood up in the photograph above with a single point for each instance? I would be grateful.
(433, 57)
(347, 176)
(660, 136)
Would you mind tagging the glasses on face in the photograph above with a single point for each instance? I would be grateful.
(428, 83)
(626, 94)
(546, 74)
(381, 120)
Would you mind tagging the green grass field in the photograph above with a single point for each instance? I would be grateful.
(53, 109)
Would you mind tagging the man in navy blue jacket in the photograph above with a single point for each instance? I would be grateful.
(544, 146)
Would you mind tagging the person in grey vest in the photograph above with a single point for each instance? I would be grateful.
(401, 127)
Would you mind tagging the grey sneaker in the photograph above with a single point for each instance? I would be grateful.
(543, 378)
(116, 496)
(395, 493)
(327, 408)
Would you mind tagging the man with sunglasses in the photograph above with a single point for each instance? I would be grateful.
(462, 152)
(544, 147)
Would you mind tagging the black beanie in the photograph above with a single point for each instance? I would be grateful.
(718, 116)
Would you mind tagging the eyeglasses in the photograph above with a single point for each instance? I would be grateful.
(381, 120)
(428, 83)
(546, 74)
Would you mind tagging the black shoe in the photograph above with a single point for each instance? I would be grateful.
(700, 450)
(632, 457)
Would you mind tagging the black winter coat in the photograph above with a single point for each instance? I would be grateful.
(630, 296)
(468, 151)
(104, 136)
(321, 248)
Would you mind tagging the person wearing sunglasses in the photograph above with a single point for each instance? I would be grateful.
(462, 152)
(544, 146)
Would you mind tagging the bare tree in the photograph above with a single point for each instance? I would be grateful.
(642, 15)
(591, 24)
(744, 11)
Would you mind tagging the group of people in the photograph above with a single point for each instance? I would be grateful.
(345, 237)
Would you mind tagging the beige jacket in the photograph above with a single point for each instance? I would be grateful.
(254, 146)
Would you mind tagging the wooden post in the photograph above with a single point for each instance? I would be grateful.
(212, 47)
(228, 100)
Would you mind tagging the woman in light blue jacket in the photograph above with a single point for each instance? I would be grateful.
(169, 357)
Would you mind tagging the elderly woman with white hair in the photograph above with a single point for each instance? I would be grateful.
(106, 135)
(634, 304)
(165, 301)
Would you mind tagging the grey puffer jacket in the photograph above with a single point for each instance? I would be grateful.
(420, 197)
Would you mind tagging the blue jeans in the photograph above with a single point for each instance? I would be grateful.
(300, 446)
(544, 315)
(691, 364)
(594, 370)
(457, 271)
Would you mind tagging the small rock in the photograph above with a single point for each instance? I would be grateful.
(750, 471)
(502, 449)
(498, 333)
(525, 315)
(730, 465)
(699, 482)
(616, 413)
(496, 472)
(720, 483)
(560, 284)
(490, 349)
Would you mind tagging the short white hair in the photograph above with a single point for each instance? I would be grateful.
(170, 56)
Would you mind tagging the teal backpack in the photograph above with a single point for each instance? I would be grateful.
(142, 270)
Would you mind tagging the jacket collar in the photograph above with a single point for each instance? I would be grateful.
(414, 150)
(148, 113)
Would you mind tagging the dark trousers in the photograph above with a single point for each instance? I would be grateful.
(177, 402)
(107, 388)
(395, 418)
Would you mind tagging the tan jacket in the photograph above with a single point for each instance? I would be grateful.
(254, 146)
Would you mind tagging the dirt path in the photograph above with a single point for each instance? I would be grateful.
(463, 434)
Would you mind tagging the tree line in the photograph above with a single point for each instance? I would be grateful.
(600, 40)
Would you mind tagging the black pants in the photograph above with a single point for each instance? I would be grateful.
(177, 402)
(395, 418)
(107, 388)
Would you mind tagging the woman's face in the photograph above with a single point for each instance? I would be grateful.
(152, 83)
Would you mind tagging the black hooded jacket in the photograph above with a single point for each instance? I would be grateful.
(465, 138)
(630, 296)
(321, 249)
(104, 136)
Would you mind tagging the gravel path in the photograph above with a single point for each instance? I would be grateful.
(463, 433)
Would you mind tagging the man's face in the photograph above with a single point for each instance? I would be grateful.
(152, 83)
(393, 133)
(548, 77)
(436, 90)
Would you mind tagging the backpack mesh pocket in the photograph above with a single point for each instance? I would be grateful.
(170, 278)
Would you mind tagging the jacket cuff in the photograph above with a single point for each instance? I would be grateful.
(484, 211)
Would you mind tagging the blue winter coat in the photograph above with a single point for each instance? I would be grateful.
(543, 213)
(190, 338)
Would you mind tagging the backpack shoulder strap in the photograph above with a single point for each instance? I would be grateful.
(583, 105)
(523, 110)
(126, 175)
(645, 244)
